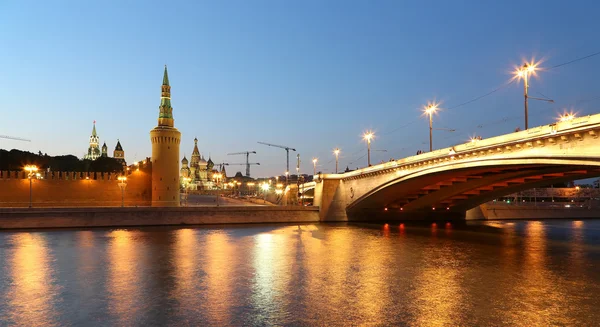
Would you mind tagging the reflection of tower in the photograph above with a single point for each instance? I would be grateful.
(165, 153)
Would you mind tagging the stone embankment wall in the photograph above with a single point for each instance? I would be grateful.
(74, 189)
(502, 211)
(16, 218)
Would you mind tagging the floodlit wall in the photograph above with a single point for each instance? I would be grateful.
(74, 189)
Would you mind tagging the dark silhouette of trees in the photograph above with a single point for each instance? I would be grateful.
(17, 159)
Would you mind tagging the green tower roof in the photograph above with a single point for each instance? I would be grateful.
(166, 77)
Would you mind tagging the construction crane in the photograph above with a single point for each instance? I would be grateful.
(247, 153)
(287, 150)
(14, 138)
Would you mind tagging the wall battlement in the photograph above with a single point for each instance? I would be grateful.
(74, 189)
(61, 175)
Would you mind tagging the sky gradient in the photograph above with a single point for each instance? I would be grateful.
(313, 75)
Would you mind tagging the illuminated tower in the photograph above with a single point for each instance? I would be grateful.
(104, 150)
(94, 149)
(165, 153)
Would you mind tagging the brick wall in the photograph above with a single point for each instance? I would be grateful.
(69, 189)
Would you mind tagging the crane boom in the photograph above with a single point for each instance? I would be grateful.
(247, 153)
(14, 138)
(239, 164)
(287, 150)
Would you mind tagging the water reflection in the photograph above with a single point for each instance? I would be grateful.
(438, 295)
(220, 269)
(185, 260)
(538, 289)
(124, 276)
(511, 274)
(32, 293)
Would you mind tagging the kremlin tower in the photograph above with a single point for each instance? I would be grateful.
(165, 140)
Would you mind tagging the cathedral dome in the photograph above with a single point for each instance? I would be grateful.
(184, 161)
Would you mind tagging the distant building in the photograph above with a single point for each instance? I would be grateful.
(94, 151)
(119, 154)
(200, 170)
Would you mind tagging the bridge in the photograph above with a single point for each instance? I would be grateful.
(445, 183)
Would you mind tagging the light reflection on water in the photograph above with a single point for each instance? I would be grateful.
(31, 295)
(501, 274)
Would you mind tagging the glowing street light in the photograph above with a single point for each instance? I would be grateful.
(524, 73)
(32, 170)
(265, 188)
(430, 109)
(217, 177)
(122, 185)
(186, 184)
(368, 136)
(337, 155)
(566, 117)
(314, 166)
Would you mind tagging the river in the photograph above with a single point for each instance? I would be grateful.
(525, 273)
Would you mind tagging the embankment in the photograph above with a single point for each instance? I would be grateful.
(501, 211)
(17, 218)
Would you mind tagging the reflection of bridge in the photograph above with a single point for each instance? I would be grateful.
(448, 182)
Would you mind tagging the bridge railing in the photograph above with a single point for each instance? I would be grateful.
(532, 134)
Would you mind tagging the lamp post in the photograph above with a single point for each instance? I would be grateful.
(430, 109)
(186, 184)
(217, 178)
(265, 188)
(122, 185)
(525, 72)
(368, 136)
(314, 166)
(32, 170)
(337, 155)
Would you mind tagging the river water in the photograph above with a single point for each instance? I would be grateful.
(526, 273)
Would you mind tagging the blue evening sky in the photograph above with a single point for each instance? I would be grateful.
(309, 74)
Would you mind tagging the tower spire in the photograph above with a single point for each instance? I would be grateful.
(166, 77)
(165, 115)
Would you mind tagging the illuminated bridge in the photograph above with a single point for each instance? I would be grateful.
(448, 182)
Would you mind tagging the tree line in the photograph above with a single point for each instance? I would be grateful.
(17, 159)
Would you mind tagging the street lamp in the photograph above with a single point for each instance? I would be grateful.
(337, 155)
(287, 175)
(217, 178)
(368, 136)
(566, 117)
(265, 188)
(430, 109)
(122, 184)
(186, 184)
(314, 166)
(32, 170)
(525, 72)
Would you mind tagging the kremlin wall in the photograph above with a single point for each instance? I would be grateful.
(76, 189)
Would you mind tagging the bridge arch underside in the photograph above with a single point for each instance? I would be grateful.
(451, 191)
